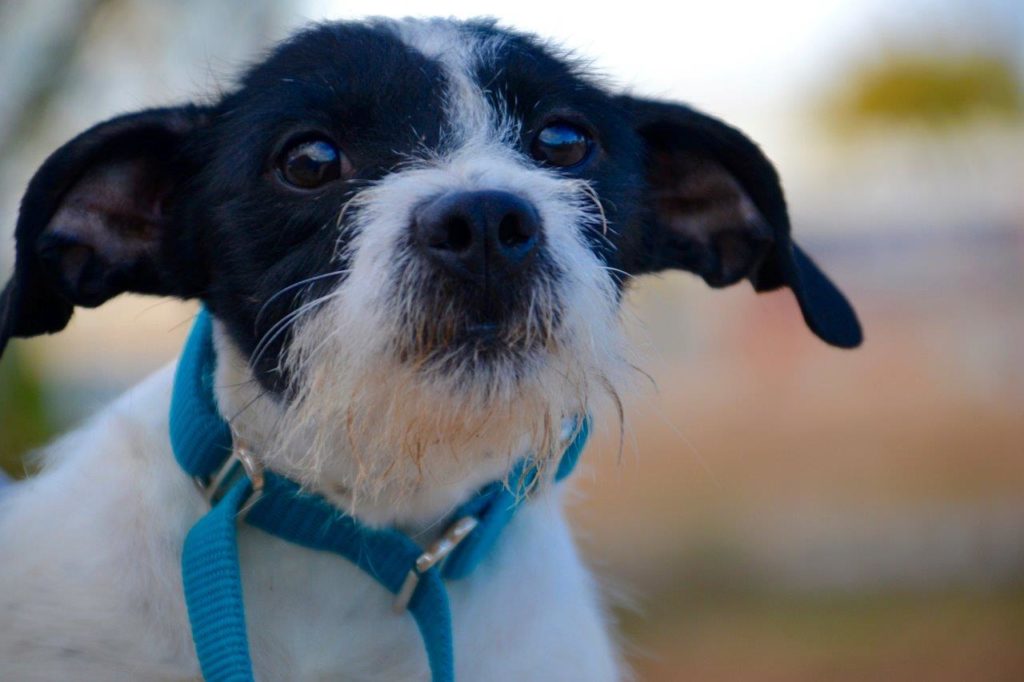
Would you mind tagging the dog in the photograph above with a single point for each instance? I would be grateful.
(413, 238)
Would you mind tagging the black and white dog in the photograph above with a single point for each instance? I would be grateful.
(413, 237)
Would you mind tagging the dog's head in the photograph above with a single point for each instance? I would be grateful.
(414, 237)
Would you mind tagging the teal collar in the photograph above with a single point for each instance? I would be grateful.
(202, 444)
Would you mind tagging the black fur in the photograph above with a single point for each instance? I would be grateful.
(210, 220)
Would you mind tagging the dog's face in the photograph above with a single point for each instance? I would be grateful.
(413, 234)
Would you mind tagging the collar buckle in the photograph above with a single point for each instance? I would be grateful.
(432, 556)
(241, 462)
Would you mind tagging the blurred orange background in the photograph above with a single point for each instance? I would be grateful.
(781, 510)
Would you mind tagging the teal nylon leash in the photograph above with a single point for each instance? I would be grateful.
(202, 444)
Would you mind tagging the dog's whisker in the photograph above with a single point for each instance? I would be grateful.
(588, 190)
(287, 321)
(238, 413)
(622, 274)
(290, 287)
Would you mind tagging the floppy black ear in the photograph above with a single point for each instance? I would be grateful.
(718, 211)
(94, 220)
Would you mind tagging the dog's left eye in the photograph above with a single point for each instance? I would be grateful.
(561, 144)
(312, 163)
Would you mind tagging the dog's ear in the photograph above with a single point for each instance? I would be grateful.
(94, 220)
(717, 210)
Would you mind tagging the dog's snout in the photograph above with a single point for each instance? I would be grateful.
(480, 234)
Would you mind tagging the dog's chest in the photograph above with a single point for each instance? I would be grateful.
(312, 615)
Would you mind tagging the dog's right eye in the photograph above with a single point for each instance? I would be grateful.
(312, 163)
(562, 144)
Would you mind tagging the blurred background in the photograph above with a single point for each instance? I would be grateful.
(782, 510)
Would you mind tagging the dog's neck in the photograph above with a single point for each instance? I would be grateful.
(420, 499)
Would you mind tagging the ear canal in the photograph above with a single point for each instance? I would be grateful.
(104, 237)
(92, 219)
(718, 210)
(711, 227)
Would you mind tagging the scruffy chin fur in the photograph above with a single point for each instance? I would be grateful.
(414, 238)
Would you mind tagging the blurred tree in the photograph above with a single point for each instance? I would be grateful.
(24, 421)
(934, 89)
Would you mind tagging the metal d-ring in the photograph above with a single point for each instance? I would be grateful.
(434, 554)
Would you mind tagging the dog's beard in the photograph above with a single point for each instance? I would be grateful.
(387, 403)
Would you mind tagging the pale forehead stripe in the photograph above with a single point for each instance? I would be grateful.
(471, 117)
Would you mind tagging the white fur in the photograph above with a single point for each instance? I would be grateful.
(472, 118)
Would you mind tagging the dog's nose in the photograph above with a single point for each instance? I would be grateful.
(477, 235)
